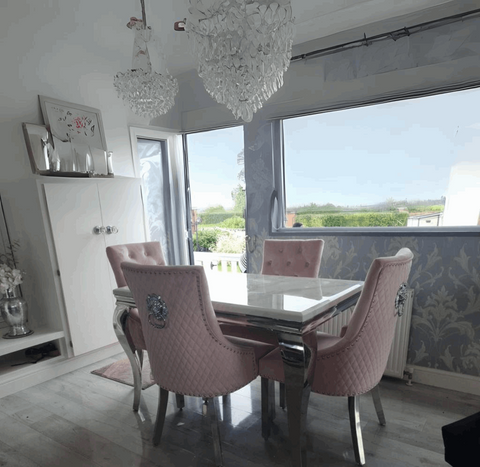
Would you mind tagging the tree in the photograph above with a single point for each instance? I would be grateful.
(238, 196)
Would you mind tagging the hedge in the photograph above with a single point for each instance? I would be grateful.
(213, 218)
(234, 222)
(368, 219)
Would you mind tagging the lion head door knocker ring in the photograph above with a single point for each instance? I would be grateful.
(400, 299)
(158, 309)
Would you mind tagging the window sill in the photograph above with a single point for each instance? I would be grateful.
(465, 231)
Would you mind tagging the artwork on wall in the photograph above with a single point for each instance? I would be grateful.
(72, 142)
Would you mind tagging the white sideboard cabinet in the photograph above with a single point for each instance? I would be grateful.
(84, 217)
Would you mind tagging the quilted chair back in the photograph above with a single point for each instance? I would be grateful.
(299, 258)
(140, 253)
(356, 362)
(187, 350)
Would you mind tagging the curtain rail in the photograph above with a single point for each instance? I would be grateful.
(394, 35)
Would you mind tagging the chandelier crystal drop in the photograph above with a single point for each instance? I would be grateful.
(146, 92)
(243, 49)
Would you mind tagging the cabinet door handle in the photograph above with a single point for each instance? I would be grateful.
(111, 229)
(97, 230)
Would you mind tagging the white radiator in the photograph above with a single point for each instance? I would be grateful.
(398, 355)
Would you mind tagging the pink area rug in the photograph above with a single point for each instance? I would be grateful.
(121, 372)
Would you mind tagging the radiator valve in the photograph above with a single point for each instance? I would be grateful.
(409, 373)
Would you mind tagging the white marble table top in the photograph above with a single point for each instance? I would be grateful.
(295, 299)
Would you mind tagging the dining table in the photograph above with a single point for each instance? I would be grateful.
(289, 307)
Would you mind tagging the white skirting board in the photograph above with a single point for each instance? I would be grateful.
(446, 380)
(51, 368)
(397, 359)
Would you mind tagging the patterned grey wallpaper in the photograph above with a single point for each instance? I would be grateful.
(445, 332)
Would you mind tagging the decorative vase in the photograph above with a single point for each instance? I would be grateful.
(14, 311)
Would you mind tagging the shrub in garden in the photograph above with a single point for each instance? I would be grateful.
(207, 239)
(230, 242)
(234, 222)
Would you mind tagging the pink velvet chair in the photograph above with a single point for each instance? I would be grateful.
(295, 258)
(187, 350)
(353, 363)
(290, 257)
(128, 327)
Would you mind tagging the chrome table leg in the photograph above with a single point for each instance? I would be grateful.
(296, 356)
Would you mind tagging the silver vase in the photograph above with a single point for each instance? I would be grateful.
(14, 311)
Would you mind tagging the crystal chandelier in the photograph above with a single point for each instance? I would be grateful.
(146, 92)
(243, 48)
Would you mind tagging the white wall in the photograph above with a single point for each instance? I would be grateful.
(70, 51)
(308, 87)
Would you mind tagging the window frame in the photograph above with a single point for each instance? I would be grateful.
(172, 141)
(278, 207)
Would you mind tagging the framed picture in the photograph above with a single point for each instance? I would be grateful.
(39, 147)
(73, 122)
(77, 134)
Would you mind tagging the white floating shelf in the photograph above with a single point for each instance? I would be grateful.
(40, 336)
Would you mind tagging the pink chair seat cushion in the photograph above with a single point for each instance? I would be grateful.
(259, 348)
(271, 366)
(255, 334)
(133, 330)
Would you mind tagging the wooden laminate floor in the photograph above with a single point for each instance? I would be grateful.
(84, 420)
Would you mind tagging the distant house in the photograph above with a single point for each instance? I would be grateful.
(291, 215)
(462, 206)
(426, 220)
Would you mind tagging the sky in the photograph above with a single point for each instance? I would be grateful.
(402, 150)
(212, 160)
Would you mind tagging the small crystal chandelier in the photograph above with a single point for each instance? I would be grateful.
(146, 92)
(243, 48)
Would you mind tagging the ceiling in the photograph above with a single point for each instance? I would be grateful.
(313, 19)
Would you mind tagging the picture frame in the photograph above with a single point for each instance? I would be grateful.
(78, 136)
(74, 122)
(39, 142)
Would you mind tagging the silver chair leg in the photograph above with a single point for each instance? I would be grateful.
(268, 406)
(356, 429)
(283, 403)
(119, 317)
(180, 398)
(378, 405)
(161, 411)
(212, 414)
(140, 357)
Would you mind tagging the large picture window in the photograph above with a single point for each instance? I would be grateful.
(408, 163)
